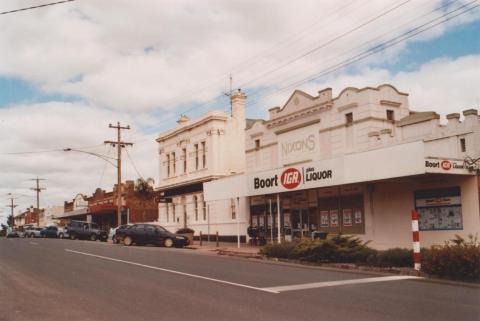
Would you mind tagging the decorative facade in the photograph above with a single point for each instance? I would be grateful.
(359, 163)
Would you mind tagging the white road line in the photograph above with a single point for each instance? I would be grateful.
(174, 272)
(34, 243)
(315, 285)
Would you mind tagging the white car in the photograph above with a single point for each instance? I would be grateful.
(62, 233)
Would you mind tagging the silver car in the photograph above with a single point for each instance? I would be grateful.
(32, 232)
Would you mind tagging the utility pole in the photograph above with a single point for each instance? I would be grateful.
(229, 93)
(119, 144)
(12, 206)
(38, 189)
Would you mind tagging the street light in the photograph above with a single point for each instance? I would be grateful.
(104, 157)
(108, 160)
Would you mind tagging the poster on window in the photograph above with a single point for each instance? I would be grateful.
(334, 218)
(440, 218)
(357, 213)
(439, 209)
(324, 219)
(347, 217)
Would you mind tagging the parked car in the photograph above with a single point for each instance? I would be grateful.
(33, 231)
(113, 232)
(86, 230)
(62, 233)
(49, 231)
(150, 234)
(12, 232)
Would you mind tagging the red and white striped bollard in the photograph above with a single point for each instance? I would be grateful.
(416, 241)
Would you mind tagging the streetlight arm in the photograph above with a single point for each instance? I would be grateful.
(104, 157)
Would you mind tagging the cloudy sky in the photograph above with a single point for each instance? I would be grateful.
(67, 71)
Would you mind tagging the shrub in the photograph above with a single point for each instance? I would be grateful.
(185, 231)
(395, 257)
(457, 259)
(339, 249)
(281, 251)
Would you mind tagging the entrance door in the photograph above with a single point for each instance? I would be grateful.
(300, 222)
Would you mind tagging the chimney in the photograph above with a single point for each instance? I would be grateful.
(183, 120)
(453, 120)
(471, 117)
(238, 100)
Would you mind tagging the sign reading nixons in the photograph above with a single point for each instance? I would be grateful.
(291, 178)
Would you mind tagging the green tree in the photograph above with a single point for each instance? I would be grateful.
(144, 187)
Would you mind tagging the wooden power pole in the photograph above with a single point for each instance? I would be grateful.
(12, 206)
(119, 144)
(38, 189)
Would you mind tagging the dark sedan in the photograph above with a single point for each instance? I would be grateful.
(49, 231)
(150, 234)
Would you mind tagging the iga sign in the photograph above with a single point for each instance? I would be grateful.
(291, 178)
(445, 166)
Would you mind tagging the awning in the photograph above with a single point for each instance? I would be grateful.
(81, 211)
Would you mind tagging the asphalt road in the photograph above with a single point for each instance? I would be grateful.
(49, 279)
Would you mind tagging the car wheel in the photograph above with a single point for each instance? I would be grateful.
(93, 237)
(114, 240)
(73, 236)
(61, 235)
(32, 235)
(168, 242)
(44, 236)
(127, 240)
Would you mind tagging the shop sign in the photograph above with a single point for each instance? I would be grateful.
(445, 166)
(294, 178)
(298, 145)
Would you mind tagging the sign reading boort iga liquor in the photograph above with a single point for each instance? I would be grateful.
(314, 174)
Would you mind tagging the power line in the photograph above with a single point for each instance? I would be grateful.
(35, 7)
(378, 48)
(383, 13)
(325, 44)
(133, 164)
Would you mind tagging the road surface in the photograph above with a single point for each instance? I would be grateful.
(50, 279)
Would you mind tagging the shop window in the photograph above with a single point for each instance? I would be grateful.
(343, 214)
(195, 204)
(463, 146)
(173, 213)
(166, 213)
(439, 209)
(390, 115)
(196, 156)
(232, 209)
(349, 119)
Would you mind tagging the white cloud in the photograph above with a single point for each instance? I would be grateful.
(142, 55)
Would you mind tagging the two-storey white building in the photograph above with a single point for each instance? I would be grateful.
(359, 163)
(199, 151)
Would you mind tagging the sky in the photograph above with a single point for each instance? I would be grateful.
(68, 71)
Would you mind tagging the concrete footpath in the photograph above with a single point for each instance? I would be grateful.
(227, 248)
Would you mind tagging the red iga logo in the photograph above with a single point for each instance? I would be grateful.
(291, 178)
(446, 165)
